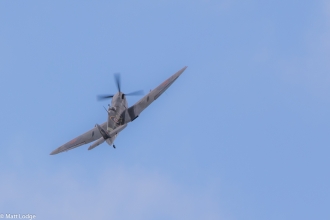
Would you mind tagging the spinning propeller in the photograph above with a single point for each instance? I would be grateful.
(118, 82)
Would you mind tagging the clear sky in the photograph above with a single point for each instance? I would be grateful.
(242, 134)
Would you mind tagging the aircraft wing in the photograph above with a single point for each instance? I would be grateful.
(129, 115)
(134, 111)
(85, 138)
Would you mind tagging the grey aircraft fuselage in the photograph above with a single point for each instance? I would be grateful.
(118, 116)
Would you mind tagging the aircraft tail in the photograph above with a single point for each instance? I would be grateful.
(106, 136)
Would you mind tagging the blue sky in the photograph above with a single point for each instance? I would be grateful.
(242, 134)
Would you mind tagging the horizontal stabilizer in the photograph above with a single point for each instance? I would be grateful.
(117, 130)
(103, 132)
(96, 143)
(106, 136)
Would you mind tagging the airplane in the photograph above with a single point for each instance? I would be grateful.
(119, 115)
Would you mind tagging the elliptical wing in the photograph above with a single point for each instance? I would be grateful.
(85, 138)
(134, 111)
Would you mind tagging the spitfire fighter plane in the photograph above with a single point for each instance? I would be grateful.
(119, 115)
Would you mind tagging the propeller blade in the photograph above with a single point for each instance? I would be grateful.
(118, 83)
(117, 79)
(102, 97)
(140, 92)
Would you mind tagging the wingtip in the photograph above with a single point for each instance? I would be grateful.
(184, 68)
(181, 70)
(56, 151)
(52, 153)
